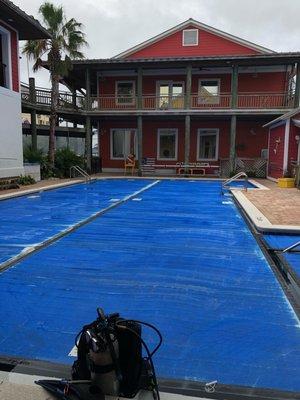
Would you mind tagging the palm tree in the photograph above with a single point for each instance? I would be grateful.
(65, 44)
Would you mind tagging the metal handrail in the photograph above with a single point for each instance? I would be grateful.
(81, 171)
(234, 178)
(292, 247)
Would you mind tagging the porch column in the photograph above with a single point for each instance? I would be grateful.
(74, 103)
(87, 87)
(188, 87)
(140, 88)
(32, 98)
(140, 143)
(234, 86)
(88, 143)
(232, 154)
(297, 88)
(187, 137)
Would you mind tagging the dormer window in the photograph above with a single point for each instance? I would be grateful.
(190, 37)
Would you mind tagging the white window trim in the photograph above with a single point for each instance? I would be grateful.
(160, 131)
(7, 51)
(211, 80)
(133, 90)
(190, 30)
(215, 133)
(111, 141)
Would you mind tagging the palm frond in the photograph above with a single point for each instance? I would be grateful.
(53, 17)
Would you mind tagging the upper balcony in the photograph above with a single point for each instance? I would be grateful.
(222, 101)
(69, 103)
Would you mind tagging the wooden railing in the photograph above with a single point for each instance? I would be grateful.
(160, 103)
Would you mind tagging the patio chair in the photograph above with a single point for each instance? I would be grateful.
(129, 163)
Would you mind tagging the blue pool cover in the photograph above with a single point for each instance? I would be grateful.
(28, 220)
(179, 256)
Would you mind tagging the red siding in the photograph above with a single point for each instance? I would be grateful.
(262, 82)
(293, 144)
(14, 57)
(209, 44)
(247, 83)
(249, 134)
(276, 151)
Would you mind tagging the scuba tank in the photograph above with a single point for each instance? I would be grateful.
(109, 354)
(109, 361)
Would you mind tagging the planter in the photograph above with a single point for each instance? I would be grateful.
(286, 182)
(34, 170)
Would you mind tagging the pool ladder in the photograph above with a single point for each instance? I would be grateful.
(225, 184)
(80, 171)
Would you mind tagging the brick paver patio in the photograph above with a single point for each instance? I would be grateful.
(280, 206)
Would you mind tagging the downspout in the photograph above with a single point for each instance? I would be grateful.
(286, 145)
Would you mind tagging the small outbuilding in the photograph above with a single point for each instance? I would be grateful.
(283, 145)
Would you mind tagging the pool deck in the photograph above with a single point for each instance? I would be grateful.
(275, 209)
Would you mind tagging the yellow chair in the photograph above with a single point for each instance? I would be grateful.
(129, 163)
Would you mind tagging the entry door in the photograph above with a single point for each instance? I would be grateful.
(171, 95)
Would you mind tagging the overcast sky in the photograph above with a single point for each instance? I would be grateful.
(112, 26)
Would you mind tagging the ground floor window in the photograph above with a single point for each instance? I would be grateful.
(208, 144)
(167, 143)
(122, 143)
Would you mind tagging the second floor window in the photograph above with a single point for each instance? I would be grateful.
(125, 92)
(209, 91)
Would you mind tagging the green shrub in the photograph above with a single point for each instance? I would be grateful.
(33, 156)
(64, 160)
(25, 180)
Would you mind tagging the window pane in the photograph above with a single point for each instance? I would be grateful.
(123, 143)
(125, 92)
(207, 145)
(167, 144)
(190, 37)
(118, 144)
(209, 91)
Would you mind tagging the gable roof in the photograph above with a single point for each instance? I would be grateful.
(188, 23)
(283, 117)
(27, 26)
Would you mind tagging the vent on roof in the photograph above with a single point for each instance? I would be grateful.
(190, 37)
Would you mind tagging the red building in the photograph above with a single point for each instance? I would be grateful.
(191, 95)
(15, 25)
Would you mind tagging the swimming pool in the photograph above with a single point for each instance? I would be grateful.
(178, 255)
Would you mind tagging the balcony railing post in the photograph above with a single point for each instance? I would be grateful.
(88, 88)
(140, 88)
(188, 87)
(234, 86)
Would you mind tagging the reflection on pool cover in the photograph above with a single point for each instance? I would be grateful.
(28, 220)
(181, 258)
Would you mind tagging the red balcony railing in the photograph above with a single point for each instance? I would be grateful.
(264, 100)
(222, 100)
